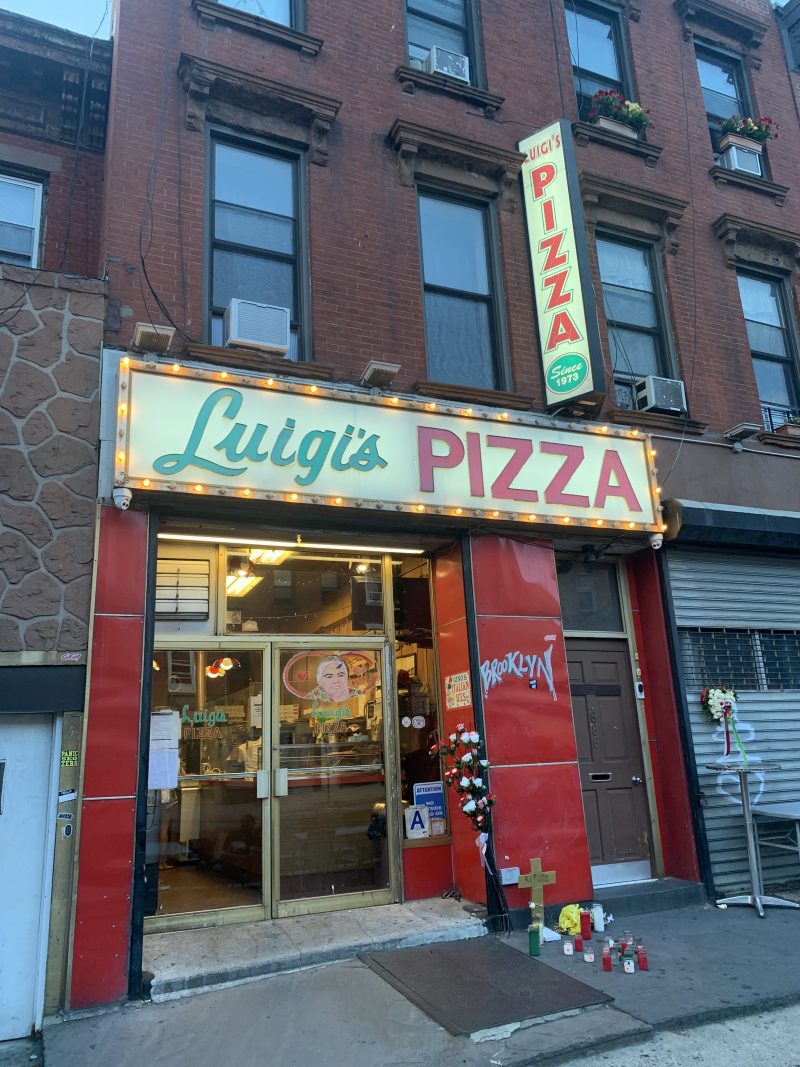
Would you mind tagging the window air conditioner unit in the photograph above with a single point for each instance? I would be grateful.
(443, 61)
(660, 394)
(251, 325)
(737, 158)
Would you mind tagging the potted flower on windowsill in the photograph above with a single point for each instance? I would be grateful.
(611, 111)
(790, 428)
(747, 133)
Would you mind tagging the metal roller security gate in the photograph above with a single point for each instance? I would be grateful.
(738, 618)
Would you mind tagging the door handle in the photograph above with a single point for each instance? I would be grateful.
(600, 777)
(262, 784)
(281, 784)
(636, 780)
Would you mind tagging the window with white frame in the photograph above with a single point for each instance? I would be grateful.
(20, 221)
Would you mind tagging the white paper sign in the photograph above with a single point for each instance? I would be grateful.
(418, 821)
(162, 772)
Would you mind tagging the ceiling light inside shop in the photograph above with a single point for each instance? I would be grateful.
(235, 585)
(297, 546)
(268, 556)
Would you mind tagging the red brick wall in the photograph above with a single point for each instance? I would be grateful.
(363, 232)
(82, 197)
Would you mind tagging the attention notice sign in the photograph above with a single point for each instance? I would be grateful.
(568, 335)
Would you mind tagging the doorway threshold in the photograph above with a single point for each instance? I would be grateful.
(188, 961)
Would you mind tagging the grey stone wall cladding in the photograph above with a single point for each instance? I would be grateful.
(51, 333)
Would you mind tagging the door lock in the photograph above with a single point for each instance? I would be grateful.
(636, 780)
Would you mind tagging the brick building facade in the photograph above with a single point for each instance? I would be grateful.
(316, 159)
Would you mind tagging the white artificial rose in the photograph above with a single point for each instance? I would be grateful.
(465, 737)
(453, 738)
(474, 738)
(469, 807)
(467, 757)
(465, 782)
(483, 762)
(477, 782)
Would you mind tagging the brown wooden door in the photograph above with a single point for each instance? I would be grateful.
(609, 751)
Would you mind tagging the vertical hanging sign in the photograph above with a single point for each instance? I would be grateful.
(569, 339)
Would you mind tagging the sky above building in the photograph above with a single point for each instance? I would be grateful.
(83, 16)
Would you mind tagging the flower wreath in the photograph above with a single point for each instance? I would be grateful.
(719, 703)
(463, 771)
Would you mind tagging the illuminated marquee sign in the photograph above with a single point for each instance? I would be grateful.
(217, 433)
(568, 336)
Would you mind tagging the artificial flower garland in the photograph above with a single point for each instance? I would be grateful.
(719, 703)
(464, 772)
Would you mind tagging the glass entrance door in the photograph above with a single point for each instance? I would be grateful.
(330, 804)
(206, 840)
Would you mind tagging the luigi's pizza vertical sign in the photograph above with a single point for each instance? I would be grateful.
(569, 339)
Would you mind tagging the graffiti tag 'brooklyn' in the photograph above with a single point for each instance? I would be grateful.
(519, 665)
(243, 444)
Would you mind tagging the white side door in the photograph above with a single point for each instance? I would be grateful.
(25, 849)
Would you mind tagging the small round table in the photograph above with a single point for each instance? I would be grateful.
(756, 897)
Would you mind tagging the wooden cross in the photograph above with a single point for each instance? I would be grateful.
(537, 880)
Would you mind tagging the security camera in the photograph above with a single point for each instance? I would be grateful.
(122, 498)
(656, 541)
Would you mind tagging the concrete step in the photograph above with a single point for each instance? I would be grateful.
(191, 960)
(660, 894)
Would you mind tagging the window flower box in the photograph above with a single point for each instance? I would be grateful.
(613, 126)
(748, 144)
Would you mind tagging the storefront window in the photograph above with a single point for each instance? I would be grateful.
(417, 705)
(274, 591)
(204, 824)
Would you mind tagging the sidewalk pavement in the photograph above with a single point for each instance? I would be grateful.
(706, 963)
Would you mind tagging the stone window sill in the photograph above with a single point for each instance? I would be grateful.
(261, 363)
(780, 440)
(210, 12)
(464, 394)
(725, 176)
(586, 132)
(411, 79)
(654, 420)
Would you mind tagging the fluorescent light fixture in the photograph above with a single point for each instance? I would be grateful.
(238, 586)
(268, 556)
(295, 546)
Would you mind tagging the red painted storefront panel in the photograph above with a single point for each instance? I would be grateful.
(540, 814)
(114, 707)
(103, 913)
(666, 745)
(121, 562)
(513, 577)
(103, 909)
(525, 690)
(427, 872)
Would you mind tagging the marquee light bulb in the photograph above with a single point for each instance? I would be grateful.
(293, 496)
(246, 492)
(394, 400)
(198, 488)
(420, 507)
(459, 511)
(631, 525)
(312, 389)
(176, 367)
(126, 361)
(495, 514)
(603, 429)
(146, 483)
(123, 408)
(223, 374)
(467, 411)
(598, 522)
(120, 456)
(269, 381)
(566, 520)
(532, 518)
(338, 500)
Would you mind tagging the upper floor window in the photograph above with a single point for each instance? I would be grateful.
(254, 234)
(461, 318)
(448, 25)
(20, 221)
(637, 331)
(722, 80)
(595, 46)
(273, 10)
(772, 347)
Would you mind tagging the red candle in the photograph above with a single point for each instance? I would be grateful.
(579, 944)
(606, 958)
(586, 925)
